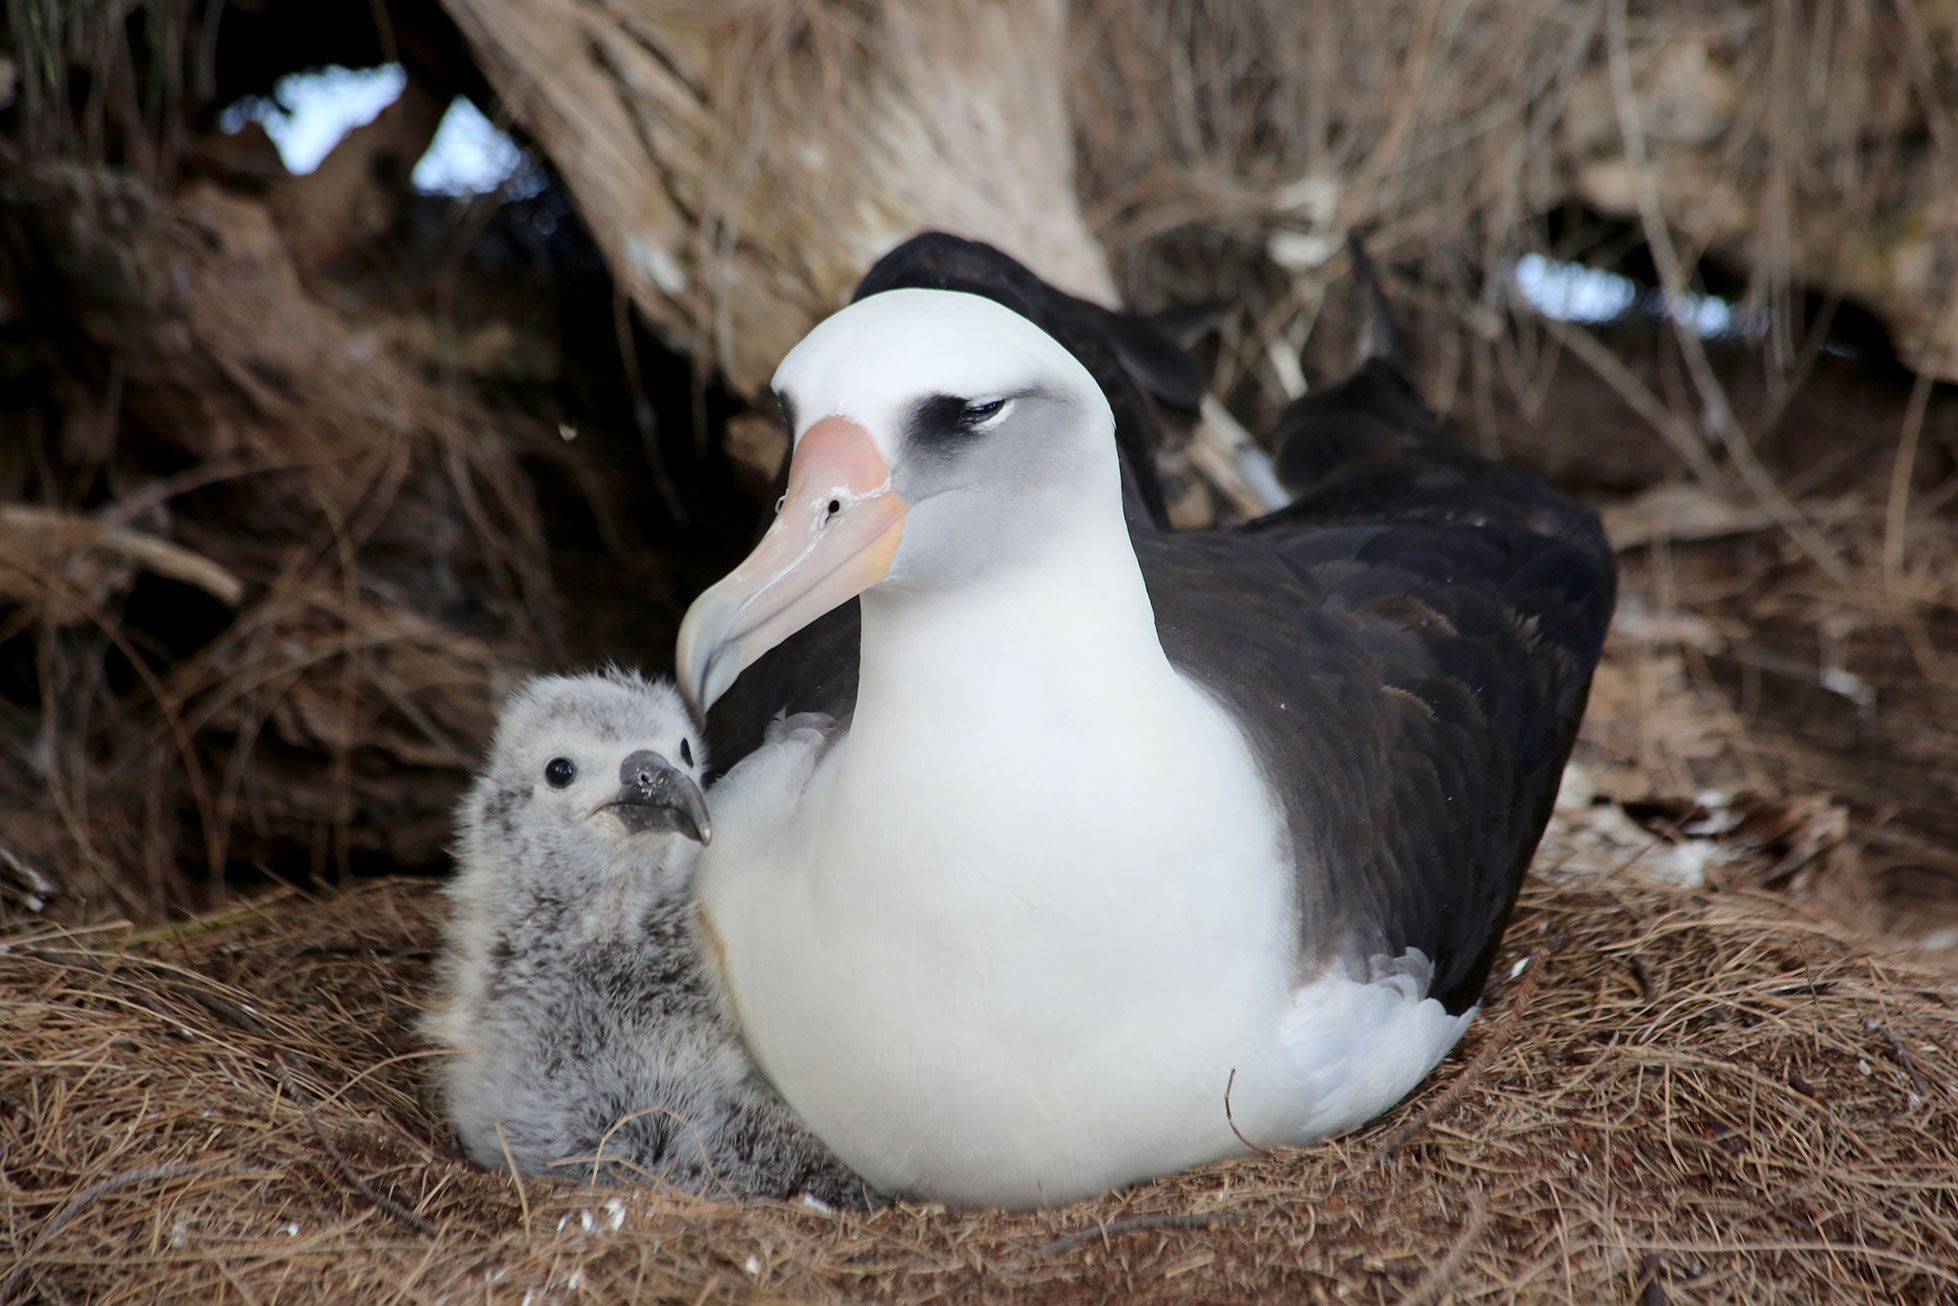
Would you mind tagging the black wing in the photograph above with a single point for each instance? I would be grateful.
(1412, 687)
(1410, 646)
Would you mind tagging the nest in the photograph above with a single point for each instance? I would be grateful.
(312, 469)
(1701, 1094)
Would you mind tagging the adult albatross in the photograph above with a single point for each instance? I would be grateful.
(1131, 849)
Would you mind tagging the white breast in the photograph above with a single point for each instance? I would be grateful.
(1011, 938)
(994, 985)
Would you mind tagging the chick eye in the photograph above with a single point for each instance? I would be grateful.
(686, 753)
(559, 772)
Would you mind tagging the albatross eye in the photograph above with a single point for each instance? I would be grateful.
(949, 418)
(686, 753)
(559, 772)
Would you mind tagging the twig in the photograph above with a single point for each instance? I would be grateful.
(146, 996)
(237, 1284)
(401, 1212)
(1897, 511)
(1141, 1224)
(26, 881)
(1910, 1067)
(1625, 384)
(644, 419)
(516, 1177)
(1226, 454)
(53, 529)
(706, 1159)
(1261, 1151)
(204, 924)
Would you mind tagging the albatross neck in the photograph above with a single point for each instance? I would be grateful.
(1072, 625)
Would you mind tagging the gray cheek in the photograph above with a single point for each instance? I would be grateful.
(944, 543)
(502, 809)
(991, 505)
(925, 471)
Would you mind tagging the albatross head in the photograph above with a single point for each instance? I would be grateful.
(939, 438)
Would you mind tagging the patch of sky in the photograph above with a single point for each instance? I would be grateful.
(469, 156)
(1571, 292)
(309, 113)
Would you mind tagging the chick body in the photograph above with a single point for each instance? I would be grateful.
(589, 1029)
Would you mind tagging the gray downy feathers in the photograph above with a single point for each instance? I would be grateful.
(589, 1037)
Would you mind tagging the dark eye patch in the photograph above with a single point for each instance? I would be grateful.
(686, 752)
(945, 418)
(787, 405)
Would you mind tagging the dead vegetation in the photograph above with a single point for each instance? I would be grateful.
(1702, 1097)
(349, 566)
(310, 468)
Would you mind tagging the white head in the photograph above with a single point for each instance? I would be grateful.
(588, 776)
(939, 438)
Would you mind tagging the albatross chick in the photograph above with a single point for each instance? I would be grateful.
(591, 1036)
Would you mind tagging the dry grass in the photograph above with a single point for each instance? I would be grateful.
(1706, 1092)
(1788, 157)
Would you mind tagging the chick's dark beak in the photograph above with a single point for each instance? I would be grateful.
(656, 795)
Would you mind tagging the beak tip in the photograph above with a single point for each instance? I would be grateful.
(721, 673)
(701, 663)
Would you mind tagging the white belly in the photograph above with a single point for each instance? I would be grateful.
(1012, 991)
(1019, 960)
